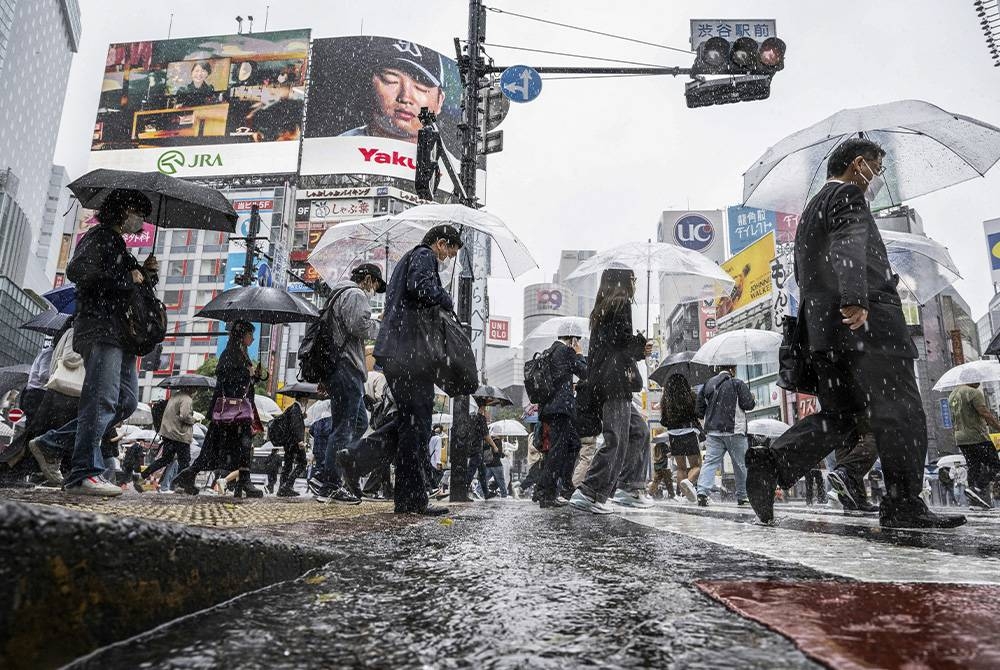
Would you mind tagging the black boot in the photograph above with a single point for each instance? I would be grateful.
(913, 513)
(184, 482)
(351, 480)
(246, 487)
(287, 488)
(762, 477)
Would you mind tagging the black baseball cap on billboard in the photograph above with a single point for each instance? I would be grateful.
(369, 270)
(420, 62)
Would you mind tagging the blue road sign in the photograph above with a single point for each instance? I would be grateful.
(520, 83)
(946, 420)
(264, 277)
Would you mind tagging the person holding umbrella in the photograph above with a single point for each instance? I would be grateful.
(104, 273)
(618, 467)
(229, 441)
(856, 348)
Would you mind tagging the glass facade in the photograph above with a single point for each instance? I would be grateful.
(17, 346)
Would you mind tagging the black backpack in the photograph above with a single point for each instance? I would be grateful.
(318, 352)
(539, 383)
(157, 409)
(144, 323)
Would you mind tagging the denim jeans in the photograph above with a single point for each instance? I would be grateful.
(496, 472)
(716, 446)
(346, 388)
(110, 394)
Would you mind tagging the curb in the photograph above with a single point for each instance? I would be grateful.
(71, 582)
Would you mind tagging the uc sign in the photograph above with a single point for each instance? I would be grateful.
(694, 232)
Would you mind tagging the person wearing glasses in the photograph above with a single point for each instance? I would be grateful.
(857, 346)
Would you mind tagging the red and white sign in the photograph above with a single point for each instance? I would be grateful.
(498, 334)
(15, 414)
(140, 240)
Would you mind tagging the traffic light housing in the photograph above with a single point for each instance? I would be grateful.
(428, 173)
(743, 55)
(728, 90)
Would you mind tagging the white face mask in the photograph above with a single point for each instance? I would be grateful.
(133, 224)
(875, 184)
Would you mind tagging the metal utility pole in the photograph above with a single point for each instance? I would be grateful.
(471, 66)
(249, 275)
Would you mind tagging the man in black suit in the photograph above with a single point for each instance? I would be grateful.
(859, 347)
(559, 413)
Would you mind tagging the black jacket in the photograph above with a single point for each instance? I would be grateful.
(840, 260)
(565, 364)
(101, 268)
(294, 421)
(233, 374)
(414, 286)
(614, 350)
(718, 399)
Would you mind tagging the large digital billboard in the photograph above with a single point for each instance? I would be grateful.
(205, 106)
(365, 96)
(751, 270)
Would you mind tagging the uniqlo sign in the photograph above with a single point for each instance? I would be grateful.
(499, 331)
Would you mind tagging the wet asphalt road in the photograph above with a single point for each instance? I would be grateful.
(506, 585)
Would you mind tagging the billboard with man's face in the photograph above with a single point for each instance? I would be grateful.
(365, 97)
(206, 106)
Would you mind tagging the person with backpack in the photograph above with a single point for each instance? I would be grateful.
(106, 276)
(414, 291)
(288, 431)
(564, 360)
(724, 401)
(346, 322)
(683, 424)
(618, 467)
(176, 428)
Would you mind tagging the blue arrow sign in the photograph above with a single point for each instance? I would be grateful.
(264, 277)
(520, 83)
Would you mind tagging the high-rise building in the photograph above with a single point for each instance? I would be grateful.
(49, 239)
(36, 50)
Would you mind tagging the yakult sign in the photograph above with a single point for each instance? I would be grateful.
(699, 231)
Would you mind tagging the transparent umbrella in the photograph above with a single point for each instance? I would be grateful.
(927, 149)
(440, 418)
(664, 273)
(976, 372)
(266, 406)
(142, 416)
(388, 238)
(924, 266)
(767, 428)
(746, 346)
(508, 427)
(545, 334)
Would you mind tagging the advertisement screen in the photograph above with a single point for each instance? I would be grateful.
(365, 96)
(751, 269)
(204, 106)
(749, 224)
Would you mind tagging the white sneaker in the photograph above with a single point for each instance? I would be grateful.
(585, 503)
(689, 491)
(95, 486)
(630, 499)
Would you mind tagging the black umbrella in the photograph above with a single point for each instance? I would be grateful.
(48, 322)
(994, 348)
(258, 304)
(13, 376)
(301, 390)
(176, 203)
(680, 363)
(491, 395)
(187, 382)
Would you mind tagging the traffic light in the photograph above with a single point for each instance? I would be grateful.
(428, 173)
(744, 55)
(724, 91)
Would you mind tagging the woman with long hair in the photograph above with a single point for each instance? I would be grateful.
(618, 467)
(227, 443)
(683, 426)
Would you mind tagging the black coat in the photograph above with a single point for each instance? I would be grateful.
(101, 268)
(233, 375)
(614, 350)
(565, 364)
(414, 286)
(840, 260)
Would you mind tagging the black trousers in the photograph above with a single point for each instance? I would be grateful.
(294, 464)
(558, 464)
(477, 469)
(856, 462)
(414, 397)
(171, 448)
(861, 393)
(814, 483)
(983, 464)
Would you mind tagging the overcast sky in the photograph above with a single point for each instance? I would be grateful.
(592, 163)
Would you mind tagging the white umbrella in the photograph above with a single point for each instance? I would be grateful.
(345, 245)
(746, 346)
(139, 436)
(508, 427)
(664, 273)
(317, 411)
(545, 334)
(927, 149)
(142, 416)
(952, 461)
(443, 419)
(767, 428)
(266, 406)
(976, 372)
(924, 265)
